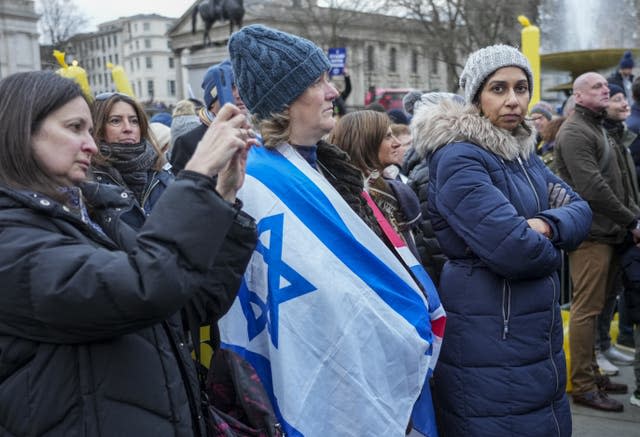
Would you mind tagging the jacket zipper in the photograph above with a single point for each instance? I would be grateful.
(506, 309)
(526, 174)
(147, 193)
(553, 363)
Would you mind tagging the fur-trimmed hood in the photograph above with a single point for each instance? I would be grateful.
(434, 126)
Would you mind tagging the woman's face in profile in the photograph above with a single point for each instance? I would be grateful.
(389, 150)
(505, 97)
(312, 113)
(123, 126)
(63, 145)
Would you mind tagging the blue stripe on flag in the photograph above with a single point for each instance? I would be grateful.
(423, 415)
(314, 209)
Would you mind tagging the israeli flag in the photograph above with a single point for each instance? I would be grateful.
(335, 326)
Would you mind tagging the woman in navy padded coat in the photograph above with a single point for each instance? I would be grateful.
(501, 218)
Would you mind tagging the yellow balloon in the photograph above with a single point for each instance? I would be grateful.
(531, 50)
(120, 79)
(74, 72)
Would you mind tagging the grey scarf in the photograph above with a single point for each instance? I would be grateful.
(130, 164)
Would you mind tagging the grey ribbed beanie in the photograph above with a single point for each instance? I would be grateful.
(482, 63)
(273, 68)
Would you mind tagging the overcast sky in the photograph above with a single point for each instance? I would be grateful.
(99, 11)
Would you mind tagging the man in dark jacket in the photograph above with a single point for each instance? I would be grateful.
(185, 145)
(592, 164)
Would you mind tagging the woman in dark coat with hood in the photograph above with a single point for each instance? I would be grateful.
(91, 342)
(501, 218)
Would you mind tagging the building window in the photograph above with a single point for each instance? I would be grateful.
(135, 27)
(140, 88)
(137, 63)
(371, 65)
(414, 62)
(146, 27)
(392, 59)
(171, 87)
(98, 62)
(131, 64)
(171, 62)
(137, 45)
(150, 88)
(108, 41)
(110, 59)
(434, 65)
(102, 42)
(148, 62)
(115, 40)
(147, 43)
(106, 79)
(116, 55)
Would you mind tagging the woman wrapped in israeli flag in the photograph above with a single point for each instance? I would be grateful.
(339, 319)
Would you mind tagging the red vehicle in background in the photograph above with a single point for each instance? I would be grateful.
(390, 98)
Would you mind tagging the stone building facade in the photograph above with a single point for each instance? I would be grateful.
(382, 51)
(19, 49)
(139, 44)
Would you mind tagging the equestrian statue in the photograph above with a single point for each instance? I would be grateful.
(217, 10)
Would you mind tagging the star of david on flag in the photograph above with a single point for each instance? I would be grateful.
(284, 283)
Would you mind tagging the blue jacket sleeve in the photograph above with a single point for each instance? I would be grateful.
(480, 214)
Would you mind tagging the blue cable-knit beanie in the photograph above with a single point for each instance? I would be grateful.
(273, 67)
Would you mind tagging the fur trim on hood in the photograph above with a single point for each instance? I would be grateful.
(434, 126)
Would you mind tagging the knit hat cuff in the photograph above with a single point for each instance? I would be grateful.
(292, 85)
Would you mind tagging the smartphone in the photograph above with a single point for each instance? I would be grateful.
(224, 84)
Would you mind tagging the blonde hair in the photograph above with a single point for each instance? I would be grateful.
(275, 130)
(400, 129)
(184, 107)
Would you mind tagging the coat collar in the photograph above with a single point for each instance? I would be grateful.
(435, 126)
(596, 117)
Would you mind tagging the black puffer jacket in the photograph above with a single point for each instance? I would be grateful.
(91, 343)
(417, 170)
(184, 146)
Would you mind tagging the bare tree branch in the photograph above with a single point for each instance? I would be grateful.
(459, 27)
(60, 19)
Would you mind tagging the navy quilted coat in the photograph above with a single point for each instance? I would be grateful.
(502, 369)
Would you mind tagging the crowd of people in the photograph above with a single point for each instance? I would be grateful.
(323, 246)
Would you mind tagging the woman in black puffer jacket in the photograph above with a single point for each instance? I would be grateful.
(91, 342)
(416, 168)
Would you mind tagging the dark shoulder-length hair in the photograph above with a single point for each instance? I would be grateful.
(26, 99)
(360, 134)
(101, 110)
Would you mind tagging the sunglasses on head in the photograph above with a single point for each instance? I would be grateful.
(106, 96)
